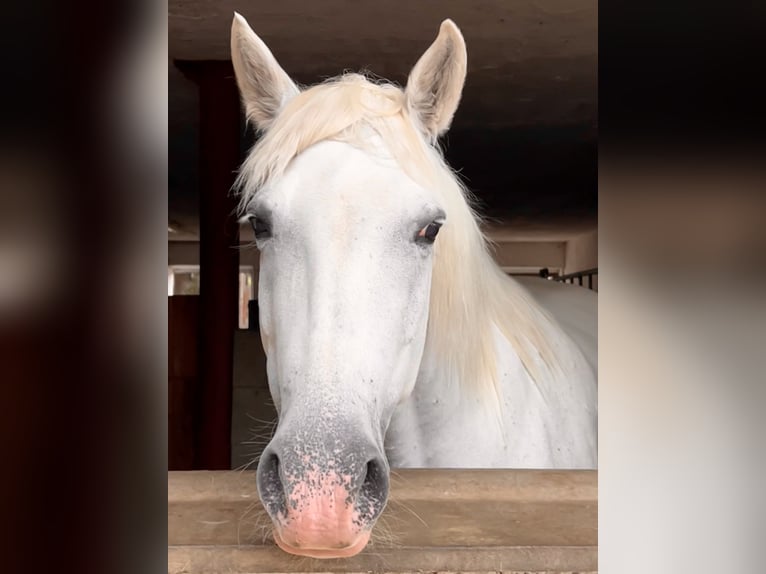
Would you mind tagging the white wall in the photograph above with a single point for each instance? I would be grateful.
(183, 253)
(187, 253)
(581, 252)
(530, 254)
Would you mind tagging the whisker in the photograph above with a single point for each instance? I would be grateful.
(404, 506)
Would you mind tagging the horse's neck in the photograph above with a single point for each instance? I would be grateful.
(444, 423)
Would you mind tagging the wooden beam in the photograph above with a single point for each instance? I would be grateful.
(436, 520)
(183, 379)
(219, 117)
(530, 254)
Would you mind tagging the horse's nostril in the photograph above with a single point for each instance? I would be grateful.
(271, 465)
(270, 487)
(375, 485)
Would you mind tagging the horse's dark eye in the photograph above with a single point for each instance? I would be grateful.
(261, 227)
(429, 232)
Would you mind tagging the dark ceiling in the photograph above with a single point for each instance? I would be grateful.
(525, 136)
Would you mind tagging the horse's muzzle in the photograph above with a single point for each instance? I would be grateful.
(323, 501)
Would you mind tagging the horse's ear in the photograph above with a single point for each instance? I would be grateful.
(436, 82)
(264, 86)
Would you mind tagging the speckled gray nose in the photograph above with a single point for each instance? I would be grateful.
(322, 489)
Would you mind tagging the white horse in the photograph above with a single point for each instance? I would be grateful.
(392, 337)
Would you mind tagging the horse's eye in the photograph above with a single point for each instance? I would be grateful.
(429, 232)
(261, 227)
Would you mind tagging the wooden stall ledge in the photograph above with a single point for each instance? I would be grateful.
(530, 521)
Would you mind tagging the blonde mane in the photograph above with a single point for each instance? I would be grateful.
(469, 292)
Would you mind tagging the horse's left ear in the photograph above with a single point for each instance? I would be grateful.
(436, 82)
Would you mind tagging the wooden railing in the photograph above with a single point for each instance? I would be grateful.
(435, 520)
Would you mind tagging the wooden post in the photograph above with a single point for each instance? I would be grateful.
(183, 380)
(219, 136)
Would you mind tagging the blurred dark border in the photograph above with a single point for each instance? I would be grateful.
(680, 76)
(82, 415)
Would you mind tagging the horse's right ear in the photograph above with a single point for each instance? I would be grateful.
(264, 86)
